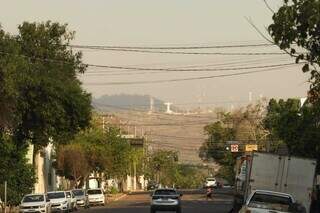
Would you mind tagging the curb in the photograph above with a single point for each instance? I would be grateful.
(120, 197)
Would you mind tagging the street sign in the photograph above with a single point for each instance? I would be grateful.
(234, 147)
(251, 147)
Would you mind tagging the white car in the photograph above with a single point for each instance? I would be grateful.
(72, 200)
(262, 201)
(210, 182)
(96, 197)
(35, 203)
(59, 201)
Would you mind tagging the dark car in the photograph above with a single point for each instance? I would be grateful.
(166, 200)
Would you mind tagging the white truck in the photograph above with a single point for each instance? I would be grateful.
(286, 174)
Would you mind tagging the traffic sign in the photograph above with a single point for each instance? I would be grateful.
(251, 147)
(234, 147)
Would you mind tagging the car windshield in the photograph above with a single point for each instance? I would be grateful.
(165, 192)
(270, 201)
(33, 198)
(56, 195)
(78, 192)
(94, 192)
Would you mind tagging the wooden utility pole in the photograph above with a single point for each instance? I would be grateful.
(5, 197)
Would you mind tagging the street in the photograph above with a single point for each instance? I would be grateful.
(192, 202)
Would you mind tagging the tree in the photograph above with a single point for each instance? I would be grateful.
(296, 126)
(162, 166)
(120, 151)
(296, 30)
(40, 97)
(98, 152)
(15, 170)
(244, 125)
(39, 74)
(72, 163)
(189, 177)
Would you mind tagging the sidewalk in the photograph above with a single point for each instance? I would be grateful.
(115, 197)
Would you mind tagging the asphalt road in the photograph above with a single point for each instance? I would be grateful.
(192, 202)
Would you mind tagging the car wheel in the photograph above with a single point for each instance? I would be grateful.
(178, 210)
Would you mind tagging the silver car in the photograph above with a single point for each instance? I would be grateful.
(165, 200)
(81, 198)
(72, 201)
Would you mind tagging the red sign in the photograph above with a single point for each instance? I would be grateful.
(234, 148)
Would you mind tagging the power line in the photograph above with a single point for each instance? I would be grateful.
(195, 53)
(147, 69)
(180, 79)
(111, 73)
(169, 47)
(191, 70)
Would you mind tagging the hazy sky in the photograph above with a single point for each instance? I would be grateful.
(168, 23)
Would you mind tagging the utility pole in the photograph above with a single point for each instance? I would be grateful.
(5, 197)
(103, 121)
(134, 175)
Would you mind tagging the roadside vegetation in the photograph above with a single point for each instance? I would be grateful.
(279, 123)
(41, 99)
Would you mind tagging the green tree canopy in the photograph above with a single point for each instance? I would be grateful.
(14, 169)
(162, 166)
(44, 96)
(244, 125)
(40, 98)
(298, 127)
(296, 29)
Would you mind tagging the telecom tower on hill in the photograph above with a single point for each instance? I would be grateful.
(168, 104)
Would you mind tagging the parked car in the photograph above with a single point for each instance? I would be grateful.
(59, 201)
(165, 200)
(96, 197)
(35, 203)
(210, 182)
(81, 197)
(262, 201)
(72, 200)
(287, 174)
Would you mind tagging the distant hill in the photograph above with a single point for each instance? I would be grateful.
(127, 102)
